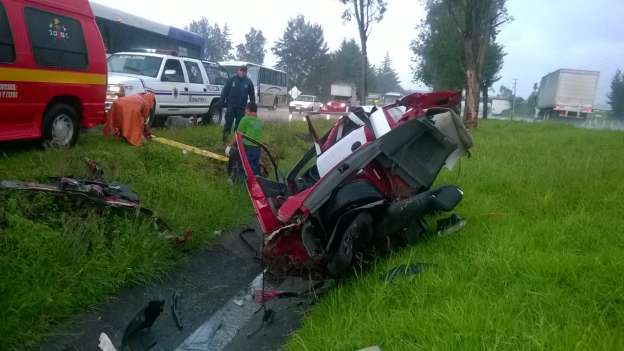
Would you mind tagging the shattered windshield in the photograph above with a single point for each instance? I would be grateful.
(135, 64)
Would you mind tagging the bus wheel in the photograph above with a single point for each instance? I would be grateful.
(60, 126)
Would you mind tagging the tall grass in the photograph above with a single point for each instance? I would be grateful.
(538, 266)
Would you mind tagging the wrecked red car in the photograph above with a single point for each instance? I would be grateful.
(363, 187)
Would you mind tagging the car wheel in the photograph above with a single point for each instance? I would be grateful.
(60, 126)
(214, 114)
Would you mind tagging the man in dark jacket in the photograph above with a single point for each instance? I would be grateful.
(234, 96)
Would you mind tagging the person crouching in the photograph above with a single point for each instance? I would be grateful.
(250, 126)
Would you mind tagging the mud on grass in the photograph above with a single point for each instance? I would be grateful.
(538, 266)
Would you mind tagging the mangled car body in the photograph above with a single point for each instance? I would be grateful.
(364, 186)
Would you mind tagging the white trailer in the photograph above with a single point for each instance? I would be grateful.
(567, 93)
(343, 91)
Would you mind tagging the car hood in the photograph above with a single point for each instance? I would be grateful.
(118, 78)
(301, 103)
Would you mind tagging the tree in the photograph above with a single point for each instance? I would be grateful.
(532, 100)
(217, 43)
(616, 96)
(365, 12)
(253, 48)
(492, 66)
(505, 93)
(477, 22)
(387, 76)
(346, 63)
(302, 52)
(438, 51)
(439, 54)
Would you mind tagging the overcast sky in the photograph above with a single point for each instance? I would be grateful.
(544, 36)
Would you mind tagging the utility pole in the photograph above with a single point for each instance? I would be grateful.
(513, 101)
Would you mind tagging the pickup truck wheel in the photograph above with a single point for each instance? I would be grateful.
(60, 126)
(214, 115)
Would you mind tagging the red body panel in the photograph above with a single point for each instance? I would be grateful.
(36, 87)
(264, 212)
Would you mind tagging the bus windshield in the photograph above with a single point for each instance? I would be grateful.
(142, 65)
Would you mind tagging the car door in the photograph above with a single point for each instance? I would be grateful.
(171, 95)
(197, 93)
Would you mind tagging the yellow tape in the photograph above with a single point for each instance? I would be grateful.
(190, 148)
(50, 76)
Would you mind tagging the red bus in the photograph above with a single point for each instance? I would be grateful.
(52, 70)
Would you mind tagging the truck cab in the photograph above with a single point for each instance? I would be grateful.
(182, 86)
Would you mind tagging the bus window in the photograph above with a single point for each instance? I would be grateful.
(57, 41)
(7, 49)
(216, 75)
(192, 69)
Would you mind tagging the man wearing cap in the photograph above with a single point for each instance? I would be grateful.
(234, 97)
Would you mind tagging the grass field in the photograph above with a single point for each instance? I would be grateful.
(539, 266)
(59, 256)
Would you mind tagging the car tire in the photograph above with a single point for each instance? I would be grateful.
(214, 115)
(61, 126)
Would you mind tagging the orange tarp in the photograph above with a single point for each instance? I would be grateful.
(127, 116)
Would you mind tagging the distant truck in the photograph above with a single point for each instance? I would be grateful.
(342, 91)
(567, 93)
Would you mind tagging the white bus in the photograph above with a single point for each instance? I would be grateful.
(270, 83)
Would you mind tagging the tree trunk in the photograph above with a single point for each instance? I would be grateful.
(485, 101)
(471, 109)
(364, 92)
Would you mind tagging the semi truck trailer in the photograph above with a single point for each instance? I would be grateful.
(567, 93)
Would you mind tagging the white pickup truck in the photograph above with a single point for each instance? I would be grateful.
(182, 86)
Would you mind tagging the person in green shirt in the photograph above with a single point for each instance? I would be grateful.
(251, 126)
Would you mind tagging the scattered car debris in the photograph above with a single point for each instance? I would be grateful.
(360, 186)
(137, 336)
(371, 348)
(174, 311)
(108, 194)
(450, 224)
(406, 270)
(105, 343)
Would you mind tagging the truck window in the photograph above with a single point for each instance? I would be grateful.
(57, 41)
(192, 69)
(175, 65)
(7, 49)
(216, 75)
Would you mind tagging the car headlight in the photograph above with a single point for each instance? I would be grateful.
(343, 105)
(115, 91)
